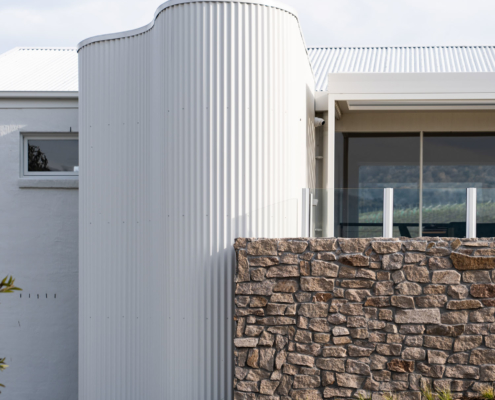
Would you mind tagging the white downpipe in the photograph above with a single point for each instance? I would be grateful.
(388, 213)
(471, 213)
(306, 213)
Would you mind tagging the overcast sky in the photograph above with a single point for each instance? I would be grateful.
(324, 22)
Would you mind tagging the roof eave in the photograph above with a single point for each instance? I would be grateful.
(39, 95)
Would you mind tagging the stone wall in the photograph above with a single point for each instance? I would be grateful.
(328, 318)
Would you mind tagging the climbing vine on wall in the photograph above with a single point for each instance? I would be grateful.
(6, 286)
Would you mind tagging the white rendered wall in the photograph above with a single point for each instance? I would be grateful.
(192, 133)
(39, 247)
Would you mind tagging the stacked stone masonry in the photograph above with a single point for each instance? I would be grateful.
(332, 318)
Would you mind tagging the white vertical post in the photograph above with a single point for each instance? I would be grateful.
(306, 213)
(311, 213)
(388, 213)
(329, 169)
(471, 213)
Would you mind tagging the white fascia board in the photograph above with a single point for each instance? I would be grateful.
(414, 105)
(321, 101)
(445, 85)
(38, 95)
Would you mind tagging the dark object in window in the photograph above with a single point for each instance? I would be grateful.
(52, 155)
(37, 160)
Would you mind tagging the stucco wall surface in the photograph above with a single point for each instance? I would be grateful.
(332, 318)
(38, 246)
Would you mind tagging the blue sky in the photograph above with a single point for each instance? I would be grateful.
(324, 22)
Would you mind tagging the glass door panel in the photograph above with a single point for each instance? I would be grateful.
(366, 163)
(453, 162)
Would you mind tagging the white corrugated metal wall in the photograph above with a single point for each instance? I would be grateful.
(191, 134)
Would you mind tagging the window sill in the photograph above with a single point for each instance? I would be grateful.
(30, 183)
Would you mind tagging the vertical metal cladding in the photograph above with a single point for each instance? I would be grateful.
(193, 132)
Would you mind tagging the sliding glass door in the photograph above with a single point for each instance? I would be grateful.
(429, 173)
(367, 164)
(453, 162)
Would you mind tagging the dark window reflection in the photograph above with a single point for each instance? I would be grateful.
(453, 162)
(52, 155)
(369, 163)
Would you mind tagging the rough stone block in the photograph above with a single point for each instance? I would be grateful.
(424, 316)
(385, 247)
(330, 392)
(458, 292)
(305, 394)
(455, 317)
(262, 247)
(438, 342)
(433, 371)
(389, 349)
(413, 353)
(331, 364)
(448, 277)
(445, 330)
(266, 261)
(323, 268)
(292, 246)
(476, 277)
(431, 301)
(264, 288)
(352, 309)
(310, 284)
(409, 289)
(434, 289)
(354, 260)
(392, 262)
(468, 342)
(398, 365)
(357, 367)
(464, 262)
(301, 359)
(318, 244)
(353, 245)
(247, 386)
(245, 342)
(483, 290)
(285, 286)
(416, 274)
(439, 263)
(306, 382)
(350, 380)
(384, 288)
(314, 310)
(402, 301)
(463, 304)
(488, 373)
(437, 357)
(462, 371)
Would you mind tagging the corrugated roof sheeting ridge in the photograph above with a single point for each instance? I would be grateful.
(39, 70)
(327, 60)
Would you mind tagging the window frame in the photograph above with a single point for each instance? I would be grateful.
(25, 137)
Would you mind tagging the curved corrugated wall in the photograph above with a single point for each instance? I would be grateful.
(191, 134)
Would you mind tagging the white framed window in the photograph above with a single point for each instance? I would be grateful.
(50, 155)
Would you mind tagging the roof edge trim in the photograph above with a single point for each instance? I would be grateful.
(39, 95)
(171, 3)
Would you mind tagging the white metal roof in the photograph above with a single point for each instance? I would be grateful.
(26, 69)
(426, 59)
(171, 3)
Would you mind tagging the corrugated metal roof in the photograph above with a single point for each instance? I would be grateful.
(426, 59)
(39, 70)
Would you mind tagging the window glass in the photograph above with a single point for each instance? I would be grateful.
(453, 162)
(52, 155)
(368, 163)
